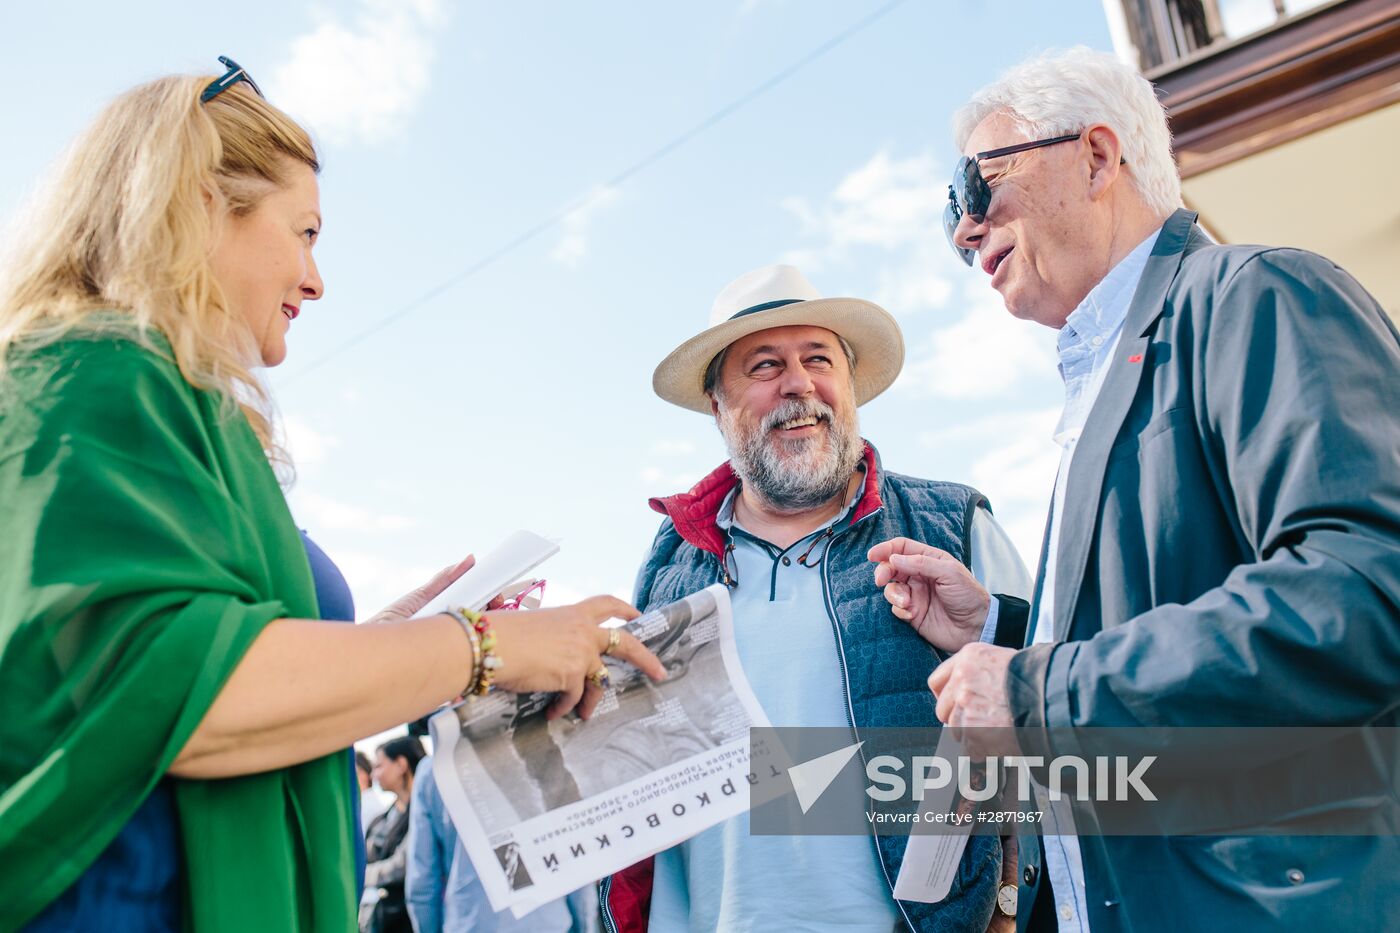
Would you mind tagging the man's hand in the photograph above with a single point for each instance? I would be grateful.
(931, 590)
(971, 688)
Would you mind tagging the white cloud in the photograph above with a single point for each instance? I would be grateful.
(572, 247)
(673, 447)
(306, 445)
(667, 482)
(1015, 469)
(921, 281)
(1018, 456)
(1021, 469)
(675, 464)
(749, 7)
(358, 77)
(322, 512)
(891, 208)
(885, 202)
(987, 353)
(377, 581)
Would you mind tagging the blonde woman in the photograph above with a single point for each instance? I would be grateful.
(161, 659)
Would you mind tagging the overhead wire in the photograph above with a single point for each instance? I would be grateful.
(584, 200)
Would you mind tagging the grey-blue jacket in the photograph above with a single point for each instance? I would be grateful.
(1230, 556)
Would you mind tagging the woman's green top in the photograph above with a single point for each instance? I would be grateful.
(144, 544)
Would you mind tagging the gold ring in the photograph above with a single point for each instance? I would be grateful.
(600, 678)
(614, 639)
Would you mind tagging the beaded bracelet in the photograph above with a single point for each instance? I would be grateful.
(485, 671)
(469, 627)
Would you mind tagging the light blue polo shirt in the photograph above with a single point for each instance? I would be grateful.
(727, 879)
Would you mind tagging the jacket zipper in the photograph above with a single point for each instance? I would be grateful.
(846, 695)
(604, 888)
(610, 925)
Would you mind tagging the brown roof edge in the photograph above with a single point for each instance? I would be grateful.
(1309, 72)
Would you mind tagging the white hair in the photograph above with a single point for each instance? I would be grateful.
(1066, 91)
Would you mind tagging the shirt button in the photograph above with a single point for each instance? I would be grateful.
(787, 562)
(1097, 341)
(1029, 874)
(1066, 912)
(1295, 876)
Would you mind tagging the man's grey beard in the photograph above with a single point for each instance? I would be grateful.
(814, 471)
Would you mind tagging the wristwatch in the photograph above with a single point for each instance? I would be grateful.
(1006, 899)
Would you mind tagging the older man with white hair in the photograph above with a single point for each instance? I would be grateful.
(787, 523)
(1224, 539)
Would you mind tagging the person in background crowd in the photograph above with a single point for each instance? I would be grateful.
(363, 770)
(443, 892)
(382, 909)
(371, 802)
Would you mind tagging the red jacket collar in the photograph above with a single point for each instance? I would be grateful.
(693, 513)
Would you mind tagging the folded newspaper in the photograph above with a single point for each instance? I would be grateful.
(545, 808)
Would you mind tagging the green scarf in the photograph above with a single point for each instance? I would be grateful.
(144, 544)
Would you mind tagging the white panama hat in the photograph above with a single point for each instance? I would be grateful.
(779, 296)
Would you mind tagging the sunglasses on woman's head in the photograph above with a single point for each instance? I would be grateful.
(234, 74)
(969, 194)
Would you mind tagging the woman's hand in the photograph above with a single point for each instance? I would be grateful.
(556, 650)
(408, 605)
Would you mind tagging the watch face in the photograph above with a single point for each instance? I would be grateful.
(1006, 899)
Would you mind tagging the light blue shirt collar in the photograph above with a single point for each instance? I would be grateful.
(1090, 335)
(1103, 310)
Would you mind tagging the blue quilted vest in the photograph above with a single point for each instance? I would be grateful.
(887, 664)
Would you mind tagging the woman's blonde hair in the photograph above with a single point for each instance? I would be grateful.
(129, 222)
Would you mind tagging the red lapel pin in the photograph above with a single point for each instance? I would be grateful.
(1135, 358)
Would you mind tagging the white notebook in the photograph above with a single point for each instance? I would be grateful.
(515, 557)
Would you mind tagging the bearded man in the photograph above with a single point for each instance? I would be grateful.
(787, 524)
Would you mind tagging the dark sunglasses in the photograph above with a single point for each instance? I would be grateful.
(234, 74)
(969, 194)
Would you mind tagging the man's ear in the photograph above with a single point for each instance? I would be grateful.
(1105, 159)
(714, 406)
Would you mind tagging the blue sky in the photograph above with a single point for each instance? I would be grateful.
(519, 395)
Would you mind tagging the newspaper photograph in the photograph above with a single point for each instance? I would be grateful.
(544, 808)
